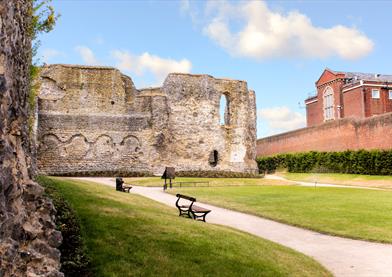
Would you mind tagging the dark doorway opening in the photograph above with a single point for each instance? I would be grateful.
(213, 159)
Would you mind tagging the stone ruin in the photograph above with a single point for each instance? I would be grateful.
(92, 120)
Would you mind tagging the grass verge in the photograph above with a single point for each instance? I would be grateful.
(375, 181)
(129, 235)
(348, 212)
(212, 182)
(74, 260)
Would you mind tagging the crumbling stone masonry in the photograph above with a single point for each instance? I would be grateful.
(94, 120)
(28, 238)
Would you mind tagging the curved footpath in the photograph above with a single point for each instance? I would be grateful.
(312, 184)
(343, 257)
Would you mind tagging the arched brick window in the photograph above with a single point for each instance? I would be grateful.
(328, 104)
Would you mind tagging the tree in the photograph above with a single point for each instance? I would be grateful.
(43, 21)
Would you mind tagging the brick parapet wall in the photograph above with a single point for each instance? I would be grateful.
(338, 135)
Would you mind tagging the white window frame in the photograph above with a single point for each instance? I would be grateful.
(390, 94)
(328, 104)
(375, 91)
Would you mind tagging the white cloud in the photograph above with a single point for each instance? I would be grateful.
(185, 6)
(48, 54)
(87, 55)
(147, 63)
(189, 8)
(281, 119)
(262, 33)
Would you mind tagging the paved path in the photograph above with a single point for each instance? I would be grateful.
(312, 184)
(343, 257)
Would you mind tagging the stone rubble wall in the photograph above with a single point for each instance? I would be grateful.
(28, 238)
(194, 127)
(94, 120)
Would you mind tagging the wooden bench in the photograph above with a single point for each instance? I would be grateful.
(126, 188)
(120, 185)
(191, 211)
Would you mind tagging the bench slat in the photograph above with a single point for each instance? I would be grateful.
(186, 197)
(199, 209)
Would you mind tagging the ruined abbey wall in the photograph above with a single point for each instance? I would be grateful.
(94, 120)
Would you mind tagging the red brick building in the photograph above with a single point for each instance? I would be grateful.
(349, 94)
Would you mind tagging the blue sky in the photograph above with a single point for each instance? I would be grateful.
(279, 47)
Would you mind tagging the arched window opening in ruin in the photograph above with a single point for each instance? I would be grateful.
(328, 103)
(213, 159)
(224, 111)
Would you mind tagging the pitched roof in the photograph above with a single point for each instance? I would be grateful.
(364, 76)
(369, 76)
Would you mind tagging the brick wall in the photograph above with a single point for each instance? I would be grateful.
(313, 115)
(353, 102)
(338, 135)
(381, 105)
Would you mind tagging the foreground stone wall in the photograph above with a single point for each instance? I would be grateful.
(92, 120)
(27, 235)
(338, 135)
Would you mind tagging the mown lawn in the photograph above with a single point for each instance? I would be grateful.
(377, 181)
(212, 182)
(355, 213)
(129, 235)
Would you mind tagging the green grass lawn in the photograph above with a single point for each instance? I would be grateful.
(377, 181)
(212, 182)
(129, 235)
(355, 213)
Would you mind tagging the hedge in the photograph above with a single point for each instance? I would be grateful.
(373, 162)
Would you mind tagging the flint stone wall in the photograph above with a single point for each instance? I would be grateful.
(28, 238)
(94, 120)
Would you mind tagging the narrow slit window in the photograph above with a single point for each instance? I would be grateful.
(224, 112)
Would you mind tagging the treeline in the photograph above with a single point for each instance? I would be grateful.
(373, 162)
